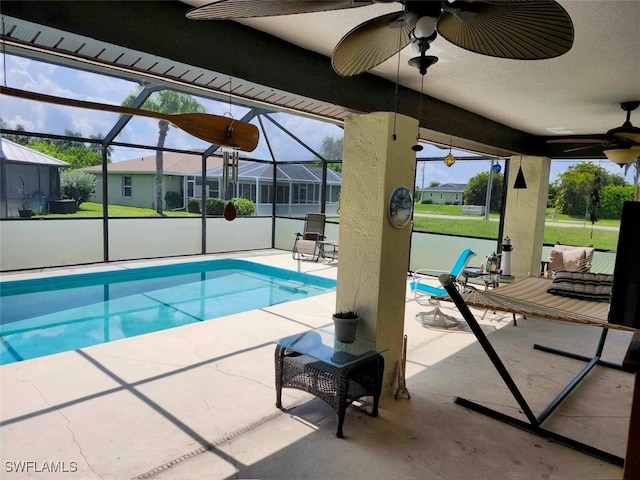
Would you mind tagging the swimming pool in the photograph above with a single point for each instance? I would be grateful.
(50, 315)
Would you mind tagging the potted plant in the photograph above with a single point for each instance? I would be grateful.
(24, 211)
(346, 326)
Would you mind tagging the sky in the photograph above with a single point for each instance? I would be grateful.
(36, 76)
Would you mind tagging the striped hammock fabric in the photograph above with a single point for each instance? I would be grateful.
(529, 296)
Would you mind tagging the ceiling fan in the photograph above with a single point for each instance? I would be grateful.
(621, 145)
(515, 29)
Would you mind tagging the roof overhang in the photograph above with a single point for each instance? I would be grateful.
(154, 40)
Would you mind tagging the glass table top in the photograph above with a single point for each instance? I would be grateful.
(322, 345)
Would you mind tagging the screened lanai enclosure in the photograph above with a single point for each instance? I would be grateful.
(295, 169)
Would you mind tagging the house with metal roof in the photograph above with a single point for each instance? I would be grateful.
(444, 194)
(297, 191)
(29, 175)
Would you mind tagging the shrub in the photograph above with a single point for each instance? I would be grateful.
(611, 199)
(78, 185)
(244, 206)
(426, 201)
(173, 199)
(193, 205)
(215, 206)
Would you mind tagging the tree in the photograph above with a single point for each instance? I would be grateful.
(19, 139)
(475, 193)
(575, 186)
(332, 150)
(97, 147)
(170, 102)
(67, 143)
(76, 157)
(636, 178)
(611, 199)
(76, 154)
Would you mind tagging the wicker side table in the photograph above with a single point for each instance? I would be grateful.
(338, 381)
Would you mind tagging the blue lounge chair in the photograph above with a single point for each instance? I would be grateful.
(423, 290)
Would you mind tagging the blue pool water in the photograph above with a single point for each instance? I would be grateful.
(49, 315)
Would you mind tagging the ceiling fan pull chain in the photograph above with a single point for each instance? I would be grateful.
(395, 96)
(4, 55)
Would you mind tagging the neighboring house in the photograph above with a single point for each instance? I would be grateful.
(132, 183)
(444, 194)
(40, 173)
(297, 187)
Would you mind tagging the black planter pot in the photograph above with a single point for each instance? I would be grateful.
(25, 213)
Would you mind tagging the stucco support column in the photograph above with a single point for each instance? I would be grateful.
(374, 255)
(525, 212)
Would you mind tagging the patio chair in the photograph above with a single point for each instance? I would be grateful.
(427, 294)
(306, 243)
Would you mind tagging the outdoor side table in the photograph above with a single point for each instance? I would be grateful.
(471, 272)
(328, 250)
(337, 373)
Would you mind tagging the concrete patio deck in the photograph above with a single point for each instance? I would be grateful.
(198, 402)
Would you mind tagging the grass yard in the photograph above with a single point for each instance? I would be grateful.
(558, 228)
(576, 231)
(92, 210)
(577, 234)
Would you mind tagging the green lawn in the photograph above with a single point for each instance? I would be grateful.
(91, 209)
(580, 233)
(575, 235)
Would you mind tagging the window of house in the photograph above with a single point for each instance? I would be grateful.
(127, 187)
(266, 193)
(247, 190)
(214, 189)
(282, 194)
(306, 193)
(191, 187)
(332, 192)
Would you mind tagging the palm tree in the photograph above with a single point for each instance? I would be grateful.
(97, 147)
(170, 102)
(636, 177)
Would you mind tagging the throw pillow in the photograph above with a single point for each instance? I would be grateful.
(595, 287)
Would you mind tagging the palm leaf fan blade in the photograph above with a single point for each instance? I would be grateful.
(370, 44)
(232, 9)
(533, 30)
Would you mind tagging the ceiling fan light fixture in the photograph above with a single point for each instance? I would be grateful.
(425, 27)
(622, 156)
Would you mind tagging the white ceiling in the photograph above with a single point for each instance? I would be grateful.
(575, 94)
